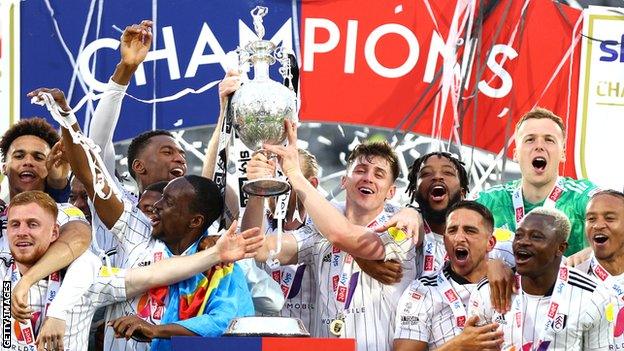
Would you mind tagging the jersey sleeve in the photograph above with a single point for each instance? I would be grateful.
(307, 237)
(414, 313)
(589, 189)
(104, 122)
(68, 213)
(132, 227)
(598, 331)
(79, 276)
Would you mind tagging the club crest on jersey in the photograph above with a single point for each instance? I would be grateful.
(559, 323)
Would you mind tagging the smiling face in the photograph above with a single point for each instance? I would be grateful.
(30, 230)
(162, 159)
(369, 183)
(540, 148)
(438, 187)
(537, 245)
(25, 165)
(604, 226)
(172, 216)
(467, 241)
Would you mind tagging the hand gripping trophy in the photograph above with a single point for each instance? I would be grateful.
(261, 105)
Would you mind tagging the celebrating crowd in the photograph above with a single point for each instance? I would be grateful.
(533, 264)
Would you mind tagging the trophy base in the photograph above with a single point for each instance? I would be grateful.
(266, 187)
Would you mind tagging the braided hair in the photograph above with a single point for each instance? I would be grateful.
(412, 177)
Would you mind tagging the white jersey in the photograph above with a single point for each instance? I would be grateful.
(298, 285)
(615, 309)
(136, 248)
(424, 315)
(370, 306)
(103, 239)
(584, 327)
(101, 291)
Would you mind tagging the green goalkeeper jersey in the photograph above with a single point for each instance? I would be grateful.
(572, 201)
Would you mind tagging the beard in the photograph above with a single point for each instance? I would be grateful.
(436, 216)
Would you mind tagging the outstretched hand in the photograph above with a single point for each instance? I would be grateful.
(233, 247)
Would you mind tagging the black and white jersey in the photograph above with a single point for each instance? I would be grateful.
(424, 315)
(583, 327)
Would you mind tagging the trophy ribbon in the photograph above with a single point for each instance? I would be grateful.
(101, 177)
(281, 207)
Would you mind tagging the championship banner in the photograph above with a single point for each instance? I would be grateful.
(600, 117)
(459, 73)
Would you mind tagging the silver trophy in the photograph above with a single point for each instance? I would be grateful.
(260, 106)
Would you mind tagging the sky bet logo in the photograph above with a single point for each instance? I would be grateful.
(612, 50)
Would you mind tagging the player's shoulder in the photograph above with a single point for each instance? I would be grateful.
(580, 280)
(483, 284)
(68, 212)
(430, 280)
(584, 187)
(499, 191)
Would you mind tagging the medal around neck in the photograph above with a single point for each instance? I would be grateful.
(260, 107)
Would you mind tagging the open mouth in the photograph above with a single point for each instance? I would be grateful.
(27, 176)
(539, 163)
(522, 255)
(366, 191)
(461, 253)
(438, 193)
(177, 172)
(600, 238)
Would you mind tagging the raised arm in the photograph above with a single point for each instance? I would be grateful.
(109, 210)
(135, 43)
(229, 84)
(357, 240)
